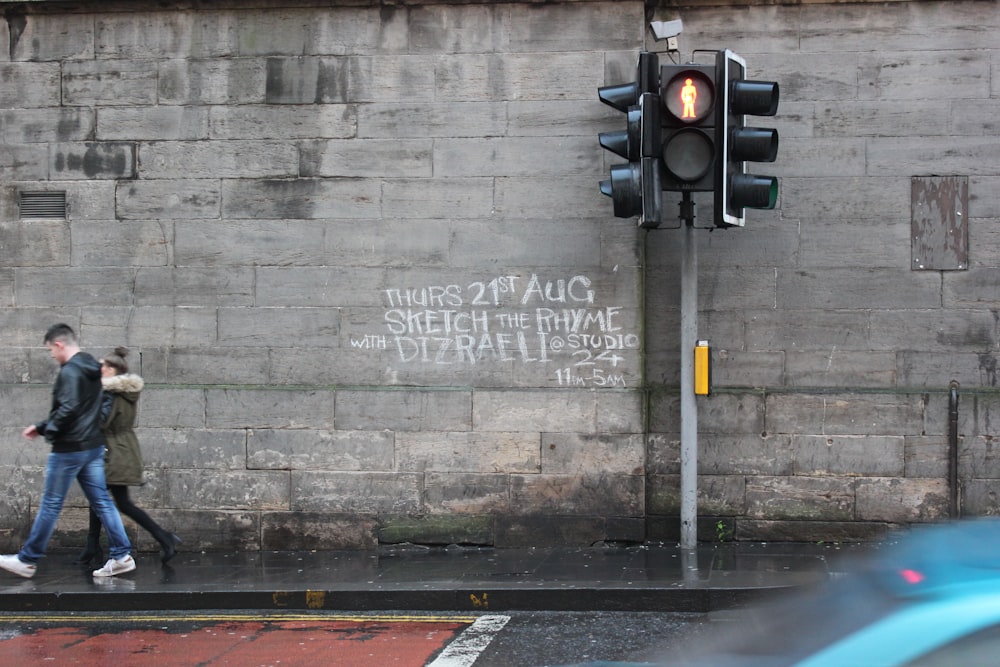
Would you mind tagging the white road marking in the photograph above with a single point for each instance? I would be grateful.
(465, 650)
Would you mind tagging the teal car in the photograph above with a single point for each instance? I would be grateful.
(936, 602)
(930, 598)
(954, 628)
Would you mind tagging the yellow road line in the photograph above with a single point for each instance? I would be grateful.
(95, 617)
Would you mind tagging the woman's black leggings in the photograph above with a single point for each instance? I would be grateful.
(125, 505)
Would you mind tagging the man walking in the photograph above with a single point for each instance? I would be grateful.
(73, 429)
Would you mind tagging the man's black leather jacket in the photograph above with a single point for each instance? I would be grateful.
(74, 423)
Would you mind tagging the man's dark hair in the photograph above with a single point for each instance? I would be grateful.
(63, 332)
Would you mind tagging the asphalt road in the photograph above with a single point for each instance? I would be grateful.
(537, 639)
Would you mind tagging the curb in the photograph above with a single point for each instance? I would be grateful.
(644, 599)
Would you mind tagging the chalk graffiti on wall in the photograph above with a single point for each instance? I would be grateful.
(558, 323)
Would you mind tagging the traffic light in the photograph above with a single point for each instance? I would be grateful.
(635, 187)
(689, 117)
(735, 189)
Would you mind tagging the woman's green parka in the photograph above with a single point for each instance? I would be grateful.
(123, 463)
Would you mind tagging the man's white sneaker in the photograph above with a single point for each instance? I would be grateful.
(14, 564)
(116, 566)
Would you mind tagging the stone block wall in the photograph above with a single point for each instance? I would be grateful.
(361, 259)
(358, 252)
(836, 332)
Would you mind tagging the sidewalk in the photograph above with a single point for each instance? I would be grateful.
(655, 577)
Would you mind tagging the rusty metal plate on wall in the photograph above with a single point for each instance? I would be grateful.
(939, 223)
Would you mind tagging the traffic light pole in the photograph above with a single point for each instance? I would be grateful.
(689, 408)
(686, 132)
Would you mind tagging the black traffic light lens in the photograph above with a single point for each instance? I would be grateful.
(620, 96)
(616, 142)
(756, 98)
(688, 154)
(754, 144)
(627, 143)
(625, 189)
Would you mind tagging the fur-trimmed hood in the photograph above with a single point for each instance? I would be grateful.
(126, 383)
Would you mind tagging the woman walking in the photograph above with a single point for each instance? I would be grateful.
(123, 462)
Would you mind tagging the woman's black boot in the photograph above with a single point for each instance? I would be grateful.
(169, 542)
(92, 553)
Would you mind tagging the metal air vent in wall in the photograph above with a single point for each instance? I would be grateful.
(50, 204)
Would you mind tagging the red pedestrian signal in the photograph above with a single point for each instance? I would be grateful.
(688, 94)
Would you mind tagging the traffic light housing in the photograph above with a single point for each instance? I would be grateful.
(735, 189)
(689, 117)
(635, 187)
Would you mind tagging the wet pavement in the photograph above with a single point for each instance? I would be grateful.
(652, 577)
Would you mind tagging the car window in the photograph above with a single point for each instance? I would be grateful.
(981, 649)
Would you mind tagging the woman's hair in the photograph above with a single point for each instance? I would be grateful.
(117, 360)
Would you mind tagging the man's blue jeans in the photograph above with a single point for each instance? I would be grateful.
(87, 467)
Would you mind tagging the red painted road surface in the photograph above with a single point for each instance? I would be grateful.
(242, 641)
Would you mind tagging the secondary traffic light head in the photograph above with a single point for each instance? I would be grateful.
(735, 189)
(624, 95)
(689, 98)
(635, 187)
(635, 190)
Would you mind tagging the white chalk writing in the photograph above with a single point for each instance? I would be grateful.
(552, 322)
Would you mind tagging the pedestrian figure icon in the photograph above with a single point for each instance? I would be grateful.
(689, 95)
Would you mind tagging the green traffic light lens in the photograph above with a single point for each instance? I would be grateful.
(750, 191)
(772, 197)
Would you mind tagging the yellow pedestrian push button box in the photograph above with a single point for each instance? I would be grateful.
(702, 368)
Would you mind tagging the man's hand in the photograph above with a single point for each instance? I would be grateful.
(30, 433)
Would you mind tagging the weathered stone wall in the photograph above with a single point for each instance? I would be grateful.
(362, 261)
(360, 252)
(835, 332)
